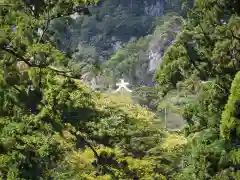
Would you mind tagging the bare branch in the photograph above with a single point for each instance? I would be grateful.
(47, 23)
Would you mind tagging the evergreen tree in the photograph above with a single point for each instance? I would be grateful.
(206, 53)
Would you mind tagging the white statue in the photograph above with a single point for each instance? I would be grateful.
(121, 85)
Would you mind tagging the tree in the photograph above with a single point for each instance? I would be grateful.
(31, 140)
(206, 50)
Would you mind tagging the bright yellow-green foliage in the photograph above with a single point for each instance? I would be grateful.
(118, 119)
(231, 114)
(173, 142)
(118, 103)
(81, 163)
(235, 156)
(122, 126)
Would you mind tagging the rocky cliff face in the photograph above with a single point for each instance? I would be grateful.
(113, 25)
(138, 60)
(154, 9)
(162, 38)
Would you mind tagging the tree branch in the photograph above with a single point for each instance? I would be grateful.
(47, 24)
(193, 62)
(89, 145)
(21, 58)
(26, 61)
(99, 159)
(16, 88)
(79, 10)
(235, 37)
(207, 37)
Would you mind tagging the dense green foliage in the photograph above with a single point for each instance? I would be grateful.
(52, 126)
(203, 61)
